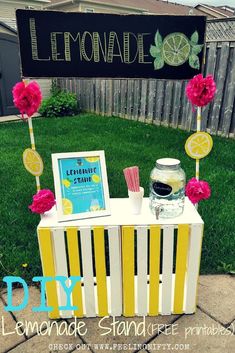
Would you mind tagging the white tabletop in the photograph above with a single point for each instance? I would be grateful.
(120, 215)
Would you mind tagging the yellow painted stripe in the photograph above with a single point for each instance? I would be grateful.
(33, 146)
(30, 130)
(128, 271)
(100, 271)
(181, 266)
(74, 266)
(48, 266)
(154, 269)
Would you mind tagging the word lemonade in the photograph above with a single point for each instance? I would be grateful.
(84, 174)
(92, 46)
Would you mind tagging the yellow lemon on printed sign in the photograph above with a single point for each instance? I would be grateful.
(92, 159)
(95, 208)
(198, 145)
(66, 183)
(33, 162)
(95, 178)
(67, 206)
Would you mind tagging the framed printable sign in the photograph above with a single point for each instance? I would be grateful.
(81, 185)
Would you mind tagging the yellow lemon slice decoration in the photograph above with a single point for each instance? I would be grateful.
(67, 206)
(95, 178)
(66, 183)
(33, 162)
(198, 145)
(92, 159)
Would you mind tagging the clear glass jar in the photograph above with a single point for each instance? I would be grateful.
(167, 188)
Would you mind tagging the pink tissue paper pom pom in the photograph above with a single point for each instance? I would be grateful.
(197, 190)
(27, 97)
(200, 91)
(43, 201)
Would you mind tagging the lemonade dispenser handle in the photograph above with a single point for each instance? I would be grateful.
(158, 209)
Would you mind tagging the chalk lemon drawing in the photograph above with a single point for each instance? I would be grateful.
(33, 162)
(198, 145)
(176, 49)
(66, 183)
(92, 159)
(67, 206)
(95, 178)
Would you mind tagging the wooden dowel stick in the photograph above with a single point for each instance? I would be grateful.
(199, 118)
(32, 140)
(199, 112)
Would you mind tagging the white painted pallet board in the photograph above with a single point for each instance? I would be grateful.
(114, 238)
(194, 256)
(167, 269)
(87, 267)
(142, 248)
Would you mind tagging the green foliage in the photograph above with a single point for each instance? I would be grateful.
(227, 268)
(196, 49)
(59, 104)
(194, 61)
(158, 62)
(55, 89)
(158, 40)
(194, 38)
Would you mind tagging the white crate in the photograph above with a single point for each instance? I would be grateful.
(153, 264)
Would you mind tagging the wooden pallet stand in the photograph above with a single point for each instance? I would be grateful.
(129, 264)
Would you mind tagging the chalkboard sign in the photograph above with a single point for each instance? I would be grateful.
(81, 185)
(58, 44)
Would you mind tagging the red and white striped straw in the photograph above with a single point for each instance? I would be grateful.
(132, 178)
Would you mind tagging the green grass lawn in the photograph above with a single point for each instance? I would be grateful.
(125, 143)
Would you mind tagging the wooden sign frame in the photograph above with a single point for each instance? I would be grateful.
(87, 181)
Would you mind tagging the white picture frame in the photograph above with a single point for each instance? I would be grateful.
(95, 174)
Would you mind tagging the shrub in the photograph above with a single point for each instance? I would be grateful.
(59, 104)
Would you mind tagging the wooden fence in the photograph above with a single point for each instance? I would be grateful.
(163, 102)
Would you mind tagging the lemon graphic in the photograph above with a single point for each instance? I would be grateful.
(94, 208)
(176, 49)
(67, 206)
(92, 159)
(33, 162)
(198, 145)
(66, 183)
(95, 178)
(94, 205)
